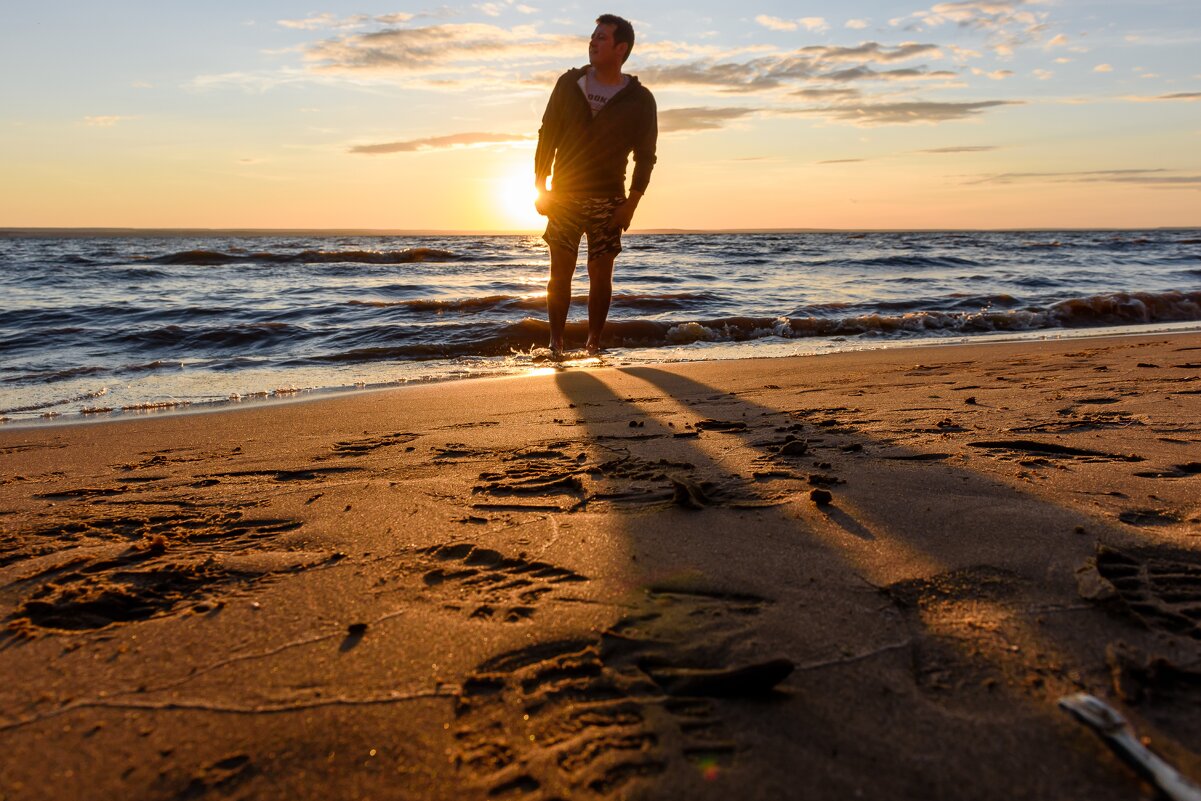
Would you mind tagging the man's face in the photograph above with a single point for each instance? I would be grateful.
(602, 50)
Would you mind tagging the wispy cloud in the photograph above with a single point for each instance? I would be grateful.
(453, 47)
(825, 94)
(816, 24)
(841, 161)
(1158, 177)
(328, 20)
(1103, 68)
(857, 24)
(869, 74)
(903, 113)
(775, 23)
(473, 139)
(1009, 24)
(995, 75)
(807, 64)
(105, 120)
(699, 119)
(454, 57)
(960, 149)
(495, 9)
(873, 52)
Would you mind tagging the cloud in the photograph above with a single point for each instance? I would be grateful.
(1180, 96)
(903, 113)
(699, 119)
(725, 77)
(825, 94)
(1058, 40)
(440, 143)
(868, 74)
(394, 19)
(872, 52)
(104, 120)
(1008, 23)
(817, 24)
(1103, 68)
(328, 20)
(1156, 178)
(454, 47)
(841, 161)
(981, 14)
(996, 75)
(960, 149)
(857, 24)
(775, 23)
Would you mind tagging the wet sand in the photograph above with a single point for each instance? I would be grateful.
(858, 575)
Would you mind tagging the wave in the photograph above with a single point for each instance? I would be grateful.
(214, 257)
(653, 302)
(56, 402)
(901, 261)
(188, 338)
(463, 335)
(1120, 308)
(53, 376)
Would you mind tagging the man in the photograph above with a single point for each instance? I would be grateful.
(595, 118)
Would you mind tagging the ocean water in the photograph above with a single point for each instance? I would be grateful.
(113, 325)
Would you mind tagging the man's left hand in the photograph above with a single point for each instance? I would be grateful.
(623, 215)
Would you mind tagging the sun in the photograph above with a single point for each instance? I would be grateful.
(514, 195)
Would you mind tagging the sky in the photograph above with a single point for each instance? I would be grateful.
(858, 114)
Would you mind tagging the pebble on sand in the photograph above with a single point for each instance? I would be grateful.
(798, 447)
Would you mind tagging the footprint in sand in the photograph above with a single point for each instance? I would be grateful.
(366, 445)
(134, 567)
(1159, 586)
(489, 585)
(596, 716)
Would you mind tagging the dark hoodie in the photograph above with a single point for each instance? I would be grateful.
(589, 154)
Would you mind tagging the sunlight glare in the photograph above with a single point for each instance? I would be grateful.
(515, 194)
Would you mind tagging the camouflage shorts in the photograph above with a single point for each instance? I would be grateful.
(572, 217)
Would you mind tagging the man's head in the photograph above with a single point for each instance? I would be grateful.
(611, 42)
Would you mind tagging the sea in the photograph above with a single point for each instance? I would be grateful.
(94, 327)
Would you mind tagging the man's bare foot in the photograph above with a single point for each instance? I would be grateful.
(593, 348)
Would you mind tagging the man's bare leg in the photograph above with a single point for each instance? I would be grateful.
(600, 294)
(558, 294)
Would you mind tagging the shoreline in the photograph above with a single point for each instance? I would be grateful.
(283, 397)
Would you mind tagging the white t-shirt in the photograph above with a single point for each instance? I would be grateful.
(598, 93)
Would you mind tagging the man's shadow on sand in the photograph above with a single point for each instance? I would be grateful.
(953, 563)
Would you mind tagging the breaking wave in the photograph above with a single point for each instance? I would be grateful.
(1121, 308)
(215, 257)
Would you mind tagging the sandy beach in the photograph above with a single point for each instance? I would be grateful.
(858, 575)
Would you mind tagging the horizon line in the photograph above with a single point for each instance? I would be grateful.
(99, 231)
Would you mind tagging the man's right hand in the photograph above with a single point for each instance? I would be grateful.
(543, 202)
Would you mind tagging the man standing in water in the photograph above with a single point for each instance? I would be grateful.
(595, 118)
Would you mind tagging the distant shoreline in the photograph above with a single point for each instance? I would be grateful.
(82, 233)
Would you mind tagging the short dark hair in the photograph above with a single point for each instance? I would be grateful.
(624, 32)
